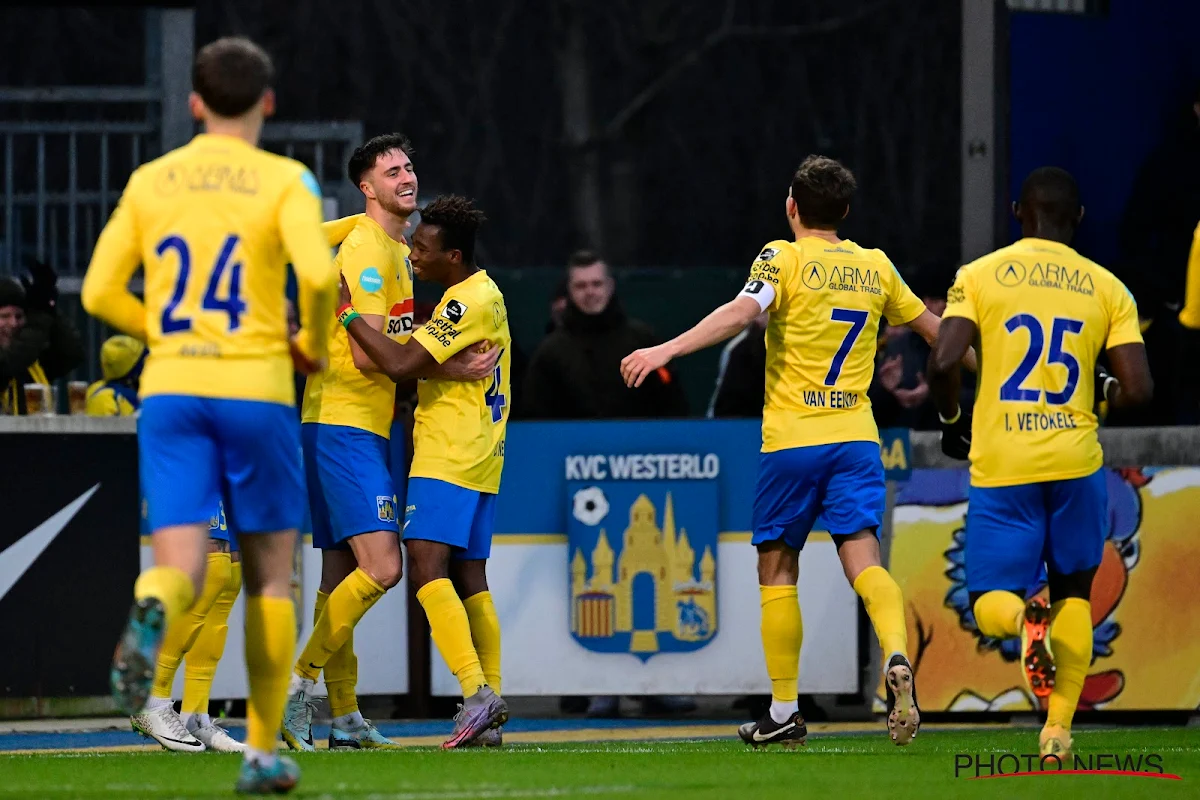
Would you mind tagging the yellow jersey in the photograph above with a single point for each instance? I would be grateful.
(1044, 314)
(458, 435)
(106, 400)
(379, 275)
(213, 224)
(824, 324)
(1189, 315)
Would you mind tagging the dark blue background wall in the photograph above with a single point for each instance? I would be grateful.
(1094, 95)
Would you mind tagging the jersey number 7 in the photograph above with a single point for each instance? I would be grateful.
(232, 304)
(858, 321)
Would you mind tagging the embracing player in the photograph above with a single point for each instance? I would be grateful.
(347, 420)
(1040, 315)
(820, 453)
(213, 224)
(458, 457)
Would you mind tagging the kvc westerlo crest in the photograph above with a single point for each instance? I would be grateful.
(643, 565)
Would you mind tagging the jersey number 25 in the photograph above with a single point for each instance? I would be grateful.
(1013, 390)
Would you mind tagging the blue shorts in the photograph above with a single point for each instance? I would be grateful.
(350, 489)
(193, 451)
(840, 483)
(218, 528)
(1013, 530)
(442, 512)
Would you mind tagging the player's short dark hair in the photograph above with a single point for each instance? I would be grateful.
(1052, 194)
(822, 188)
(364, 156)
(231, 75)
(457, 220)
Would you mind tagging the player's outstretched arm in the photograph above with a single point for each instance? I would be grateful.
(726, 321)
(927, 326)
(1131, 384)
(105, 293)
(337, 230)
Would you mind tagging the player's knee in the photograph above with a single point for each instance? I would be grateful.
(1074, 584)
(387, 571)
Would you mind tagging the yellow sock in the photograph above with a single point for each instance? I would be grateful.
(1071, 644)
(206, 652)
(885, 606)
(485, 633)
(171, 586)
(346, 605)
(270, 643)
(451, 632)
(782, 633)
(341, 670)
(999, 614)
(181, 635)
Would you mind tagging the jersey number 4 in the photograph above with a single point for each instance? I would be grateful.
(231, 304)
(495, 401)
(1012, 389)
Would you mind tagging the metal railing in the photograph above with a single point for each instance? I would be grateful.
(68, 152)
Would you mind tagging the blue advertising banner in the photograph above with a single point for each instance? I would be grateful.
(544, 457)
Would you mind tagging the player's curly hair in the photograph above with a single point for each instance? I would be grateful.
(822, 188)
(365, 155)
(457, 220)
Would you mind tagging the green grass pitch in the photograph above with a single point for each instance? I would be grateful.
(830, 766)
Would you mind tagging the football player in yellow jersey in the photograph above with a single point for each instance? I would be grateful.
(200, 639)
(1040, 315)
(826, 297)
(346, 423)
(213, 225)
(458, 457)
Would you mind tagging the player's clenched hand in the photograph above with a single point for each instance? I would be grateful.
(473, 363)
(640, 363)
(956, 435)
(344, 297)
(300, 360)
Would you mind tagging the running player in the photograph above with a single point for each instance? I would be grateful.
(458, 457)
(213, 225)
(1040, 315)
(826, 297)
(200, 638)
(347, 420)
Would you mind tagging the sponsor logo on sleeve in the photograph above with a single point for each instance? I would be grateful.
(454, 311)
(370, 279)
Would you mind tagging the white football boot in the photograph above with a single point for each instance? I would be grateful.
(164, 726)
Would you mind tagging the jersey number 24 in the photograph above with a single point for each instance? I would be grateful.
(231, 304)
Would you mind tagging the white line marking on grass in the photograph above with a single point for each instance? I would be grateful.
(491, 794)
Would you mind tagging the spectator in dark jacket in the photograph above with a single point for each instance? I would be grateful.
(36, 344)
(576, 371)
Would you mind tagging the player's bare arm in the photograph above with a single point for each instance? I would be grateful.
(411, 360)
(950, 347)
(726, 321)
(1130, 384)
(927, 325)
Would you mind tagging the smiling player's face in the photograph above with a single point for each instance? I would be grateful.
(429, 261)
(394, 182)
